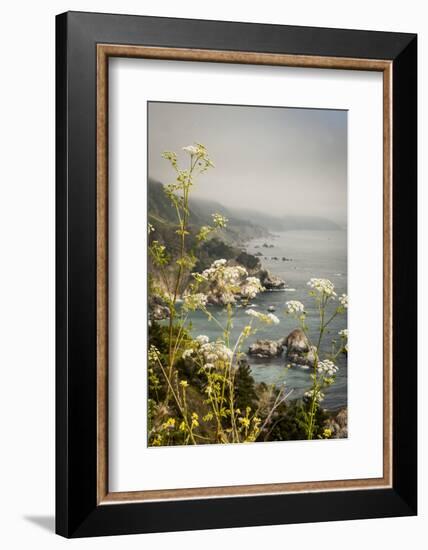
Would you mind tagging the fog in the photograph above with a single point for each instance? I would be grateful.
(275, 160)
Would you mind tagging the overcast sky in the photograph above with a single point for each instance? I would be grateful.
(277, 160)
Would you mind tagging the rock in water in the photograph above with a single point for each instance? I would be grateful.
(269, 281)
(298, 349)
(303, 359)
(266, 348)
(297, 342)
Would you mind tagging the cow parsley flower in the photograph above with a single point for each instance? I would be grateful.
(187, 353)
(294, 306)
(269, 319)
(204, 231)
(192, 302)
(171, 156)
(226, 282)
(253, 313)
(215, 354)
(219, 220)
(202, 339)
(344, 301)
(273, 319)
(327, 368)
(319, 396)
(323, 286)
(251, 288)
(154, 354)
(344, 332)
(191, 149)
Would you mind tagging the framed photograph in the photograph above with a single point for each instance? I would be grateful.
(236, 274)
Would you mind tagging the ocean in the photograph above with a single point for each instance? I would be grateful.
(309, 254)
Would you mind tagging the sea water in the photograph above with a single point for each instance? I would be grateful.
(320, 254)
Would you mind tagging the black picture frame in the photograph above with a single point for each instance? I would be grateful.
(77, 511)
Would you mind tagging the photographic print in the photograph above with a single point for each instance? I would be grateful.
(247, 286)
(208, 235)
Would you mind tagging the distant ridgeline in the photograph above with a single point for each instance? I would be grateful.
(229, 243)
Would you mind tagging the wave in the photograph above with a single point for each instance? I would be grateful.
(280, 290)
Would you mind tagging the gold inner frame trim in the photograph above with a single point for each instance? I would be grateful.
(104, 51)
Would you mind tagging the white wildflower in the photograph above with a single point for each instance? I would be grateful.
(227, 298)
(323, 286)
(269, 318)
(219, 263)
(211, 356)
(187, 353)
(202, 339)
(192, 302)
(154, 354)
(344, 332)
(224, 282)
(327, 368)
(253, 313)
(294, 306)
(319, 396)
(273, 318)
(219, 220)
(216, 354)
(191, 149)
(150, 228)
(251, 288)
(344, 300)
(199, 277)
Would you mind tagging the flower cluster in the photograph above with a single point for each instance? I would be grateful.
(344, 300)
(294, 306)
(153, 354)
(199, 153)
(171, 156)
(222, 274)
(219, 220)
(327, 368)
(191, 149)
(251, 288)
(158, 253)
(204, 232)
(215, 354)
(314, 394)
(150, 228)
(225, 283)
(188, 353)
(323, 286)
(268, 318)
(192, 302)
(202, 339)
(344, 334)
